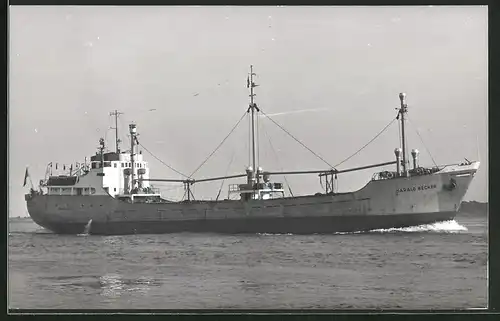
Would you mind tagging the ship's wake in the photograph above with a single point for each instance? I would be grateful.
(451, 226)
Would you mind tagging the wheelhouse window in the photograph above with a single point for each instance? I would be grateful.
(107, 164)
(114, 165)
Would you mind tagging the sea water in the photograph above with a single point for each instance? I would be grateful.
(437, 266)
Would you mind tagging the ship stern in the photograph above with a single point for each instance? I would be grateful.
(36, 204)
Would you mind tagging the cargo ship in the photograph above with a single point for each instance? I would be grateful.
(112, 194)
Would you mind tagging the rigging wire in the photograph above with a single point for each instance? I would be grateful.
(162, 161)
(104, 133)
(188, 191)
(191, 190)
(108, 128)
(416, 130)
(227, 170)
(359, 150)
(147, 150)
(184, 195)
(123, 133)
(298, 141)
(170, 189)
(215, 150)
(277, 159)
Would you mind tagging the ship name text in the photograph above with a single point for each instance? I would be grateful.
(415, 188)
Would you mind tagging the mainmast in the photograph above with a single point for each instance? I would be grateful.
(402, 111)
(116, 113)
(254, 109)
(133, 139)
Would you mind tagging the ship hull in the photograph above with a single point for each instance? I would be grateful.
(297, 226)
(380, 204)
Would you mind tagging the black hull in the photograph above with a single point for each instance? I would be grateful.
(301, 225)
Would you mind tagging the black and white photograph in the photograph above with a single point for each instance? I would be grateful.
(247, 158)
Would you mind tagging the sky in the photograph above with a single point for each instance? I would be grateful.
(331, 77)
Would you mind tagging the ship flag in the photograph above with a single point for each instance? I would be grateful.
(26, 174)
(248, 82)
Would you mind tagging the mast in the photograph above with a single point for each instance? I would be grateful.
(402, 111)
(116, 113)
(253, 107)
(101, 151)
(133, 132)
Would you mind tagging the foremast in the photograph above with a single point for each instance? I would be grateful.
(401, 116)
